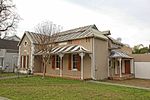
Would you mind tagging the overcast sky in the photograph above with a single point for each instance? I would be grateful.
(128, 19)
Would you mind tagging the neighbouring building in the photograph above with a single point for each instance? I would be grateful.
(8, 54)
(142, 65)
(80, 53)
(14, 38)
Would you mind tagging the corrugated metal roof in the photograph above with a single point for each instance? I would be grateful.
(81, 32)
(115, 41)
(8, 44)
(65, 49)
(118, 54)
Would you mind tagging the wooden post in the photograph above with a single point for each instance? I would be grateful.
(61, 56)
(120, 67)
(82, 55)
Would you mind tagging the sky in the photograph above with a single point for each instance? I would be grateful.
(126, 19)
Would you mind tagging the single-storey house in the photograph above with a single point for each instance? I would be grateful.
(8, 54)
(80, 53)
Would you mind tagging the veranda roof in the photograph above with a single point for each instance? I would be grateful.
(118, 54)
(65, 49)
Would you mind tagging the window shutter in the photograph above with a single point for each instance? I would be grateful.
(20, 61)
(24, 61)
(62, 62)
(69, 62)
(27, 61)
(53, 62)
(79, 63)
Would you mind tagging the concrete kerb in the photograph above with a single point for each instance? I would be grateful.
(129, 86)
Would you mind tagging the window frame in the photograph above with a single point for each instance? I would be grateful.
(57, 62)
(74, 62)
(25, 43)
(24, 61)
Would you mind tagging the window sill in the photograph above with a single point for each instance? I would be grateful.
(57, 68)
(74, 70)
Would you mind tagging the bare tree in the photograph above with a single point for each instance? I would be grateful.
(46, 30)
(8, 17)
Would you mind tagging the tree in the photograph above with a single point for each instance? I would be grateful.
(8, 17)
(140, 49)
(119, 39)
(46, 30)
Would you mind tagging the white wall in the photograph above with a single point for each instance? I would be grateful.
(142, 70)
(10, 60)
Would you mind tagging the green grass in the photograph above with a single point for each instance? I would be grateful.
(4, 74)
(36, 88)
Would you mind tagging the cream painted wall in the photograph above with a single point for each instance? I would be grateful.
(25, 50)
(101, 59)
(65, 71)
(87, 66)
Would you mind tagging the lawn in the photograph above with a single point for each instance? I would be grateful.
(36, 88)
(133, 82)
(4, 74)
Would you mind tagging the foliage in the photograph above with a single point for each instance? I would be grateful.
(36, 88)
(140, 49)
(8, 17)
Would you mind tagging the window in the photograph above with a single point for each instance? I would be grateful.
(118, 63)
(57, 61)
(24, 61)
(53, 62)
(62, 43)
(109, 63)
(75, 62)
(25, 43)
(1, 61)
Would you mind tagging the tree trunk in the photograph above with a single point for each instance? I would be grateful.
(44, 69)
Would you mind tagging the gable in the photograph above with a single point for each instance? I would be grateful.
(27, 37)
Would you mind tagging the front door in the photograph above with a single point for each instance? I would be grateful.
(127, 67)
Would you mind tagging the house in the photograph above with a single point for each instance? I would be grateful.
(14, 38)
(8, 54)
(80, 53)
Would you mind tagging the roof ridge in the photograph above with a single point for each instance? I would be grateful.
(76, 33)
(77, 30)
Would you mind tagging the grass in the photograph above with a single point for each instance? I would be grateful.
(36, 88)
(133, 82)
(4, 74)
